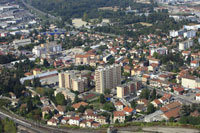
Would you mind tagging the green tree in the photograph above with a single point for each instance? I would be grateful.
(109, 107)
(81, 109)
(150, 108)
(60, 99)
(85, 17)
(117, 121)
(145, 94)
(171, 119)
(102, 99)
(133, 104)
(153, 95)
(46, 63)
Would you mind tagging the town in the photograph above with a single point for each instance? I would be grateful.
(95, 73)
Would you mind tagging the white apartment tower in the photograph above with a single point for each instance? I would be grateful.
(107, 77)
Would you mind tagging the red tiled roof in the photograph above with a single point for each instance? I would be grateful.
(77, 105)
(128, 109)
(173, 113)
(119, 113)
(118, 103)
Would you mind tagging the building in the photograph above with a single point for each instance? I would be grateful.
(72, 80)
(198, 96)
(186, 44)
(128, 88)
(189, 34)
(120, 116)
(190, 82)
(24, 42)
(156, 116)
(44, 50)
(107, 77)
(67, 93)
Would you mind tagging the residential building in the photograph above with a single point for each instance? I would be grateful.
(120, 116)
(72, 80)
(190, 82)
(198, 96)
(186, 44)
(107, 77)
(128, 88)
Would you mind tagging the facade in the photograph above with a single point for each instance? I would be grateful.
(45, 50)
(186, 44)
(107, 77)
(72, 80)
(189, 34)
(190, 82)
(128, 88)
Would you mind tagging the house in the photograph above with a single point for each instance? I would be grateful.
(172, 113)
(141, 108)
(143, 101)
(95, 125)
(74, 121)
(91, 116)
(195, 63)
(13, 96)
(129, 110)
(77, 105)
(119, 106)
(127, 69)
(101, 120)
(156, 116)
(178, 90)
(60, 109)
(145, 78)
(58, 117)
(198, 96)
(52, 122)
(195, 113)
(83, 123)
(156, 103)
(119, 115)
(163, 100)
(65, 120)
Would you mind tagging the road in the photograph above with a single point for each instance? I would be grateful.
(180, 98)
(38, 11)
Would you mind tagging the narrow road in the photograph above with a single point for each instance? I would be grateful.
(38, 11)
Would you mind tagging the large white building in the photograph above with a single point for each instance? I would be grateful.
(186, 44)
(107, 77)
(43, 49)
(189, 34)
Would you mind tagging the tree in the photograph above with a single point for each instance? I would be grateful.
(145, 94)
(171, 119)
(81, 109)
(102, 99)
(133, 104)
(46, 63)
(128, 118)
(60, 99)
(107, 91)
(150, 109)
(153, 95)
(77, 99)
(109, 107)
(85, 17)
(36, 82)
(117, 121)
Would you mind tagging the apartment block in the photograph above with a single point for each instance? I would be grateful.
(107, 77)
(72, 80)
(128, 88)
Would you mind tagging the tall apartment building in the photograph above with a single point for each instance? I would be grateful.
(128, 88)
(107, 77)
(72, 80)
(186, 44)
